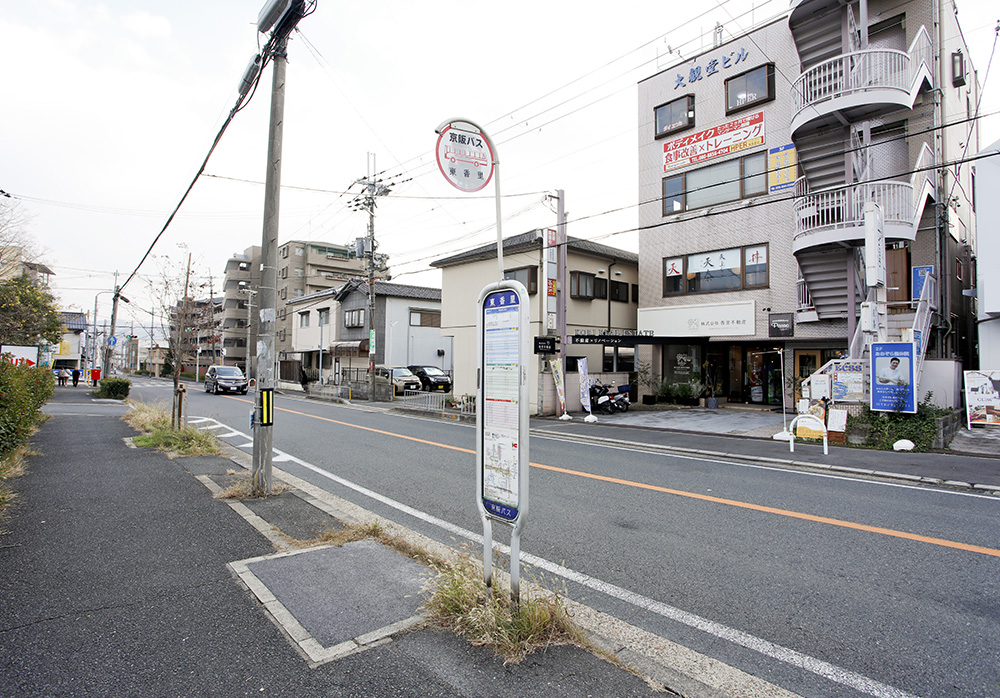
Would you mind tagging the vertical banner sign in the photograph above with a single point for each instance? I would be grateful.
(502, 398)
(982, 398)
(892, 380)
(557, 378)
(782, 168)
(581, 367)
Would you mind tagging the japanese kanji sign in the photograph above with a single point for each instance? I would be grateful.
(739, 134)
(465, 157)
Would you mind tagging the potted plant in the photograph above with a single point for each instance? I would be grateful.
(711, 376)
(648, 380)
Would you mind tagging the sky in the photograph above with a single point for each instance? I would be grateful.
(112, 106)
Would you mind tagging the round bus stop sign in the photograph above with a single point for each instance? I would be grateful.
(464, 156)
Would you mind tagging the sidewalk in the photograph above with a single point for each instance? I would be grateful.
(123, 576)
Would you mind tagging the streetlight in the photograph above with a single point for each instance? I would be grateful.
(783, 435)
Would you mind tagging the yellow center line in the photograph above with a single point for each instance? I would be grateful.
(691, 495)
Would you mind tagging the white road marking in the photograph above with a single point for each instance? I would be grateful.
(780, 653)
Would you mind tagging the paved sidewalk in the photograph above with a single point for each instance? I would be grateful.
(121, 575)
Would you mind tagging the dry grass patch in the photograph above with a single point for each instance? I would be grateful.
(461, 602)
(13, 465)
(241, 487)
(154, 423)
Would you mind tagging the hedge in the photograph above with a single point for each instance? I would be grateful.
(23, 391)
(114, 388)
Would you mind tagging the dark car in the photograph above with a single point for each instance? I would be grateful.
(432, 378)
(225, 379)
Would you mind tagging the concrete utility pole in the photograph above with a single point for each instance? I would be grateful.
(263, 442)
(177, 415)
(373, 188)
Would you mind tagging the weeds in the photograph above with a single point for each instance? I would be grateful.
(486, 617)
(154, 422)
(242, 488)
(11, 466)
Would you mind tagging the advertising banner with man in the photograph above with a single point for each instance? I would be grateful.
(892, 379)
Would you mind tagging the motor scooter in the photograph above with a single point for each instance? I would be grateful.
(600, 399)
(620, 400)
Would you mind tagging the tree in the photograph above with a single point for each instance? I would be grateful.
(28, 315)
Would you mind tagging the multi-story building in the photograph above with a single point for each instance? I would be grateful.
(305, 268)
(757, 159)
(194, 333)
(239, 321)
(13, 263)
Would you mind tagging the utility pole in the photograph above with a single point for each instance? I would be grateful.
(263, 442)
(366, 201)
(176, 417)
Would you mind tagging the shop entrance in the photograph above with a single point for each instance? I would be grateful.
(807, 361)
(762, 378)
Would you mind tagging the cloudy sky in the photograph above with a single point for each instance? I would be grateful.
(111, 107)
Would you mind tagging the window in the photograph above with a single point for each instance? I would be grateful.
(714, 271)
(674, 116)
(297, 293)
(716, 184)
(354, 318)
(959, 270)
(425, 318)
(299, 273)
(526, 275)
(752, 87)
(284, 272)
(299, 251)
(635, 293)
(732, 269)
(755, 266)
(600, 287)
(581, 285)
(324, 316)
(304, 319)
(619, 291)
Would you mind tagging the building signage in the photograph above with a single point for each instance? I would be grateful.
(732, 136)
(919, 278)
(892, 365)
(711, 67)
(982, 398)
(545, 345)
(19, 355)
(849, 381)
(703, 320)
(780, 325)
(465, 157)
(782, 168)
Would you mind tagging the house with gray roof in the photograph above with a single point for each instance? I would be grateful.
(407, 328)
(601, 300)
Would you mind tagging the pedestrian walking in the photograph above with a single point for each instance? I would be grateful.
(76, 377)
(63, 377)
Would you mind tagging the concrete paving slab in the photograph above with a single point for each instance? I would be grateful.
(358, 593)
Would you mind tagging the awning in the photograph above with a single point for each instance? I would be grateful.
(353, 348)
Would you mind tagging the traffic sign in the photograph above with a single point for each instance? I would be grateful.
(465, 156)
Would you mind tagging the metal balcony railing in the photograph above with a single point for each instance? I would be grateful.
(863, 71)
(844, 207)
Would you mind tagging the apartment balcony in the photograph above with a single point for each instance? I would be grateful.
(861, 84)
(836, 216)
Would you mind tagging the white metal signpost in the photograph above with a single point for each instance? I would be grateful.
(467, 158)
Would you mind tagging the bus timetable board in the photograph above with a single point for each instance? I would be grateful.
(503, 393)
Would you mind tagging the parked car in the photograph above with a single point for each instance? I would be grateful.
(225, 379)
(432, 378)
(400, 377)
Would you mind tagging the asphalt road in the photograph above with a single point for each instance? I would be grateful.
(826, 585)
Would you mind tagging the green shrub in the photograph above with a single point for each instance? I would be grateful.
(23, 391)
(886, 428)
(114, 388)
